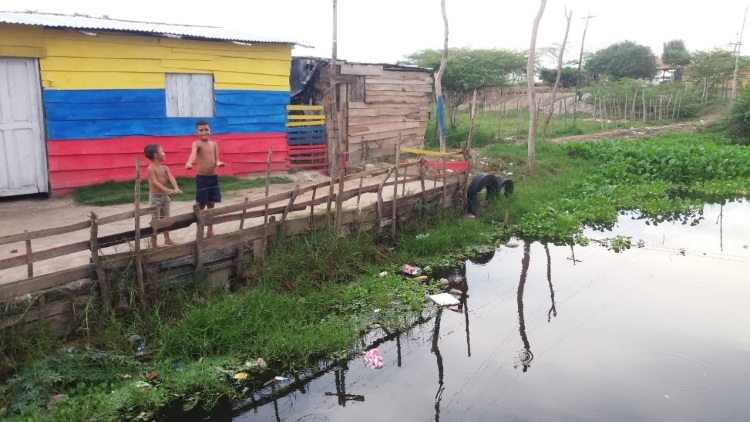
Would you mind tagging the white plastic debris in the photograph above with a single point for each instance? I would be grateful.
(444, 299)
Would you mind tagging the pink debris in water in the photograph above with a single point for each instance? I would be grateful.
(373, 359)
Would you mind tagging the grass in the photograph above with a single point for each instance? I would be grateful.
(114, 193)
(495, 126)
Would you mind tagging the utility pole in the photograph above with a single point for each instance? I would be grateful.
(735, 81)
(578, 74)
(334, 165)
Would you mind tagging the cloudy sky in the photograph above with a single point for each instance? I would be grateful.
(386, 30)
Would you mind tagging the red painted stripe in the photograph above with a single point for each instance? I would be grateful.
(81, 163)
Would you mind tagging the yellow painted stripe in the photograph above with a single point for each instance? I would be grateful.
(104, 80)
(304, 107)
(15, 51)
(251, 87)
(425, 152)
(307, 117)
(297, 124)
(21, 35)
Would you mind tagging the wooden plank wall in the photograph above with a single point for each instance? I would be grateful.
(378, 104)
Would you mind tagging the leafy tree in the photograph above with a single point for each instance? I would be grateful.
(736, 122)
(567, 77)
(470, 69)
(622, 60)
(712, 70)
(675, 54)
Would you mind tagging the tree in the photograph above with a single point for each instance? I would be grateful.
(675, 54)
(530, 81)
(439, 80)
(712, 70)
(470, 69)
(567, 76)
(622, 60)
(558, 77)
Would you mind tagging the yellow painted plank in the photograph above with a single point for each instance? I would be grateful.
(304, 107)
(88, 64)
(21, 35)
(297, 124)
(307, 117)
(103, 80)
(250, 54)
(242, 78)
(13, 51)
(425, 152)
(233, 64)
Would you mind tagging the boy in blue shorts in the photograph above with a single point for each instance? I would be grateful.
(206, 152)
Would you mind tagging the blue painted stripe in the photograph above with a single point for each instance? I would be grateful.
(305, 135)
(94, 114)
(306, 129)
(99, 96)
(251, 98)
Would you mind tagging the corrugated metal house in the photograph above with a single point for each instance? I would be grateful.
(80, 97)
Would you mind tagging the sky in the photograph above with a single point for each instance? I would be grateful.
(387, 30)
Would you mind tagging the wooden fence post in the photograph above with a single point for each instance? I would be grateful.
(137, 215)
(339, 199)
(380, 196)
(199, 237)
(29, 258)
(312, 207)
(445, 189)
(421, 180)
(268, 183)
(100, 275)
(359, 190)
(287, 210)
(244, 213)
(395, 189)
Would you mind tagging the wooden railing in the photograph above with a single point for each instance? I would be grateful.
(203, 250)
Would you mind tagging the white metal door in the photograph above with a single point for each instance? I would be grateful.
(23, 157)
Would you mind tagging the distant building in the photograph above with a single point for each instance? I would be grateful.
(80, 97)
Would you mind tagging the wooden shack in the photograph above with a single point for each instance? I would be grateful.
(82, 96)
(377, 103)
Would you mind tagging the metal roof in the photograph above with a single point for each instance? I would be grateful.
(151, 28)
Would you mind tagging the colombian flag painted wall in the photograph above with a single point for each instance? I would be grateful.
(104, 99)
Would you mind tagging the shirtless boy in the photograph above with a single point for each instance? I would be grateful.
(207, 191)
(158, 192)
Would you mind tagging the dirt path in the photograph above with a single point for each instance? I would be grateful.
(635, 133)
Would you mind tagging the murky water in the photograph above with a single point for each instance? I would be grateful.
(658, 333)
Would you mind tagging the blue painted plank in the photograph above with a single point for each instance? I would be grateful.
(256, 119)
(95, 129)
(105, 111)
(306, 135)
(251, 98)
(311, 129)
(233, 110)
(306, 141)
(103, 96)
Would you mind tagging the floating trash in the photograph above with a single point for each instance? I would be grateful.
(373, 359)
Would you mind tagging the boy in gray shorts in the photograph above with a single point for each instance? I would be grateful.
(158, 192)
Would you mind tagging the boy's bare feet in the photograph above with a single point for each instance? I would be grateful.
(170, 242)
(210, 232)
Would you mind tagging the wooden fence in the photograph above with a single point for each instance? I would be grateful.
(61, 297)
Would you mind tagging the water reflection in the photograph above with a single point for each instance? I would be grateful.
(439, 358)
(552, 310)
(340, 381)
(525, 356)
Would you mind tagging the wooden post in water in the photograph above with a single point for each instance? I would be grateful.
(138, 266)
(29, 258)
(100, 275)
(395, 189)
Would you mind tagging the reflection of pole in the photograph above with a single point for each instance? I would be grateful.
(276, 410)
(464, 303)
(552, 310)
(340, 380)
(439, 357)
(398, 348)
(526, 357)
(721, 228)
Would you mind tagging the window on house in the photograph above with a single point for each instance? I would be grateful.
(190, 95)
